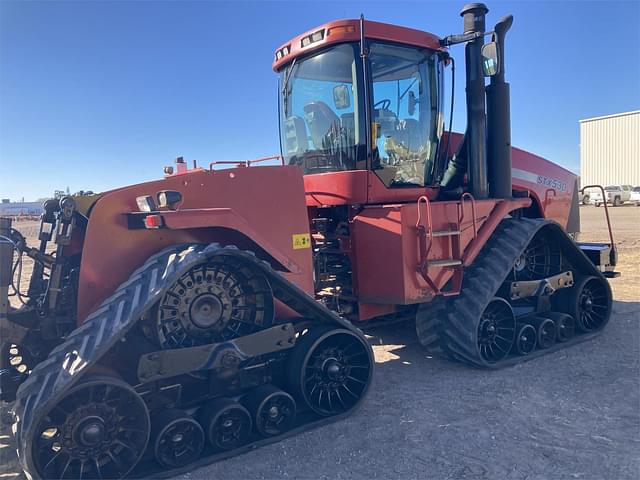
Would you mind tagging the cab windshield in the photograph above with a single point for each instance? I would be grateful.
(320, 112)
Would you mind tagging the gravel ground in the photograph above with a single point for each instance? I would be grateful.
(570, 414)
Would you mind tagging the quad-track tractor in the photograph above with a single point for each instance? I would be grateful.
(173, 323)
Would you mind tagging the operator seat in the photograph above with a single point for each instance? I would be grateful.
(320, 120)
(409, 134)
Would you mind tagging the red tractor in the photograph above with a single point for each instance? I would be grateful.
(191, 318)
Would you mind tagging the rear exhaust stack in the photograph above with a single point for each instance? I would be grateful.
(473, 15)
(499, 121)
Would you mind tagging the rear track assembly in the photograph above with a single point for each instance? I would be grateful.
(462, 327)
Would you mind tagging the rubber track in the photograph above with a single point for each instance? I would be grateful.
(103, 328)
(448, 325)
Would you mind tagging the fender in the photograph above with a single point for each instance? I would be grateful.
(222, 218)
(260, 209)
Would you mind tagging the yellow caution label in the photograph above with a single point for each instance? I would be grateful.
(301, 240)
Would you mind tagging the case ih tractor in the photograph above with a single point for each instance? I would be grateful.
(183, 320)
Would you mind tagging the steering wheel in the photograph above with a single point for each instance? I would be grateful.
(383, 104)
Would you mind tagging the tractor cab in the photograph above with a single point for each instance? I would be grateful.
(365, 97)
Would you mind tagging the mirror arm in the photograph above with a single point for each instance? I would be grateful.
(462, 38)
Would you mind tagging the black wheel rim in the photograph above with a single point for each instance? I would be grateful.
(179, 442)
(215, 301)
(276, 414)
(546, 333)
(496, 331)
(99, 430)
(565, 327)
(336, 373)
(593, 305)
(526, 340)
(540, 259)
(230, 427)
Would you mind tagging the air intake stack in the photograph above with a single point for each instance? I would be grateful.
(473, 15)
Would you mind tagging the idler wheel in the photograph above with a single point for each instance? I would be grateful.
(546, 331)
(100, 429)
(565, 325)
(588, 302)
(178, 439)
(526, 339)
(273, 410)
(227, 424)
(218, 300)
(496, 331)
(330, 370)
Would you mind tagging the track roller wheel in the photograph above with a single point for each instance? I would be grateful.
(100, 429)
(177, 439)
(496, 331)
(526, 340)
(330, 369)
(588, 302)
(273, 410)
(546, 331)
(227, 424)
(565, 325)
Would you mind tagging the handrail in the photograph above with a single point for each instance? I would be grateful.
(264, 159)
(427, 204)
(246, 163)
(425, 234)
(473, 212)
(606, 210)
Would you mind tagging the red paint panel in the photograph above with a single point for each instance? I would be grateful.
(269, 199)
(387, 251)
(373, 30)
(336, 188)
(550, 185)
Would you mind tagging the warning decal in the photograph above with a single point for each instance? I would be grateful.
(301, 240)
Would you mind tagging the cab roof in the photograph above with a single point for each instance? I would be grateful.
(339, 31)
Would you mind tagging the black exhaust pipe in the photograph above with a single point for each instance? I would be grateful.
(473, 15)
(499, 121)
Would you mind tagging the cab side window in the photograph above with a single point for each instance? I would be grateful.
(405, 114)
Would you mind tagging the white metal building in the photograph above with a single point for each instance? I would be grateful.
(610, 150)
(20, 208)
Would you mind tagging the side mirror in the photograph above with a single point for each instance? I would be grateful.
(412, 103)
(341, 97)
(490, 59)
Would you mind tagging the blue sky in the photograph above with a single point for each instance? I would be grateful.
(96, 95)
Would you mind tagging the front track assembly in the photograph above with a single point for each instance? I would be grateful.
(78, 418)
(488, 326)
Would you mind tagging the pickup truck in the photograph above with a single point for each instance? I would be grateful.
(616, 195)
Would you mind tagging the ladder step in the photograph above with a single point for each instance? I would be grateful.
(445, 233)
(444, 263)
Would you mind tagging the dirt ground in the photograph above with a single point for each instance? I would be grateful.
(572, 414)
